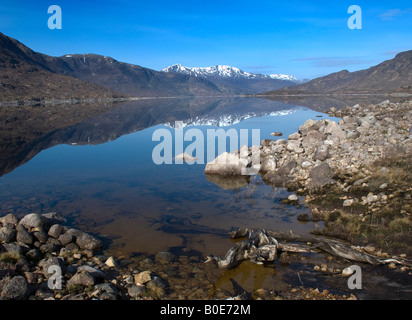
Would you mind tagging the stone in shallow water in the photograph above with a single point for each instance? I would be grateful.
(164, 257)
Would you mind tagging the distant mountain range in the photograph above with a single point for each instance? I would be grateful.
(390, 76)
(221, 71)
(29, 75)
(235, 79)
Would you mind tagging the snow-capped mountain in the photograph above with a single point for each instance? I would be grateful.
(283, 77)
(222, 71)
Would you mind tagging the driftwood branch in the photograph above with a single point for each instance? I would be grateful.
(263, 245)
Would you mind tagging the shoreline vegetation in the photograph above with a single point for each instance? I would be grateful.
(353, 174)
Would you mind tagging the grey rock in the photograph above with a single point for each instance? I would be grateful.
(282, 175)
(46, 263)
(9, 219)
(106, 291)
(55, 230)
(313, 139)
(353, 134)
(82, 278)
(348, 202)
(32, 220)
(72, 246)
(23, 235)
(54, 241)
(309, 125)
(293, 197)
(226, 164)
(164, 257)
(7, 234)
(136, 291)
(85, 240)
(16, 288)
(97, 274)
(146, 263)
(40, 235)
(49, 248)
(306, 164)
(52, 218)
(286, 168)
(294, 146)
(294, 136)
(321, 153)
(33, 254)
(12, 248)
(276, 134)
(66, 238)
(320, 176)
(335, 130)
(267, 143)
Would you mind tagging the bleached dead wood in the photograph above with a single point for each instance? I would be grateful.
(264, 245)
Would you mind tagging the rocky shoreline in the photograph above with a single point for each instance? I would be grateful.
(42, 259)
(353, 173)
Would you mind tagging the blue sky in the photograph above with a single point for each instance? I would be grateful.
(304, 38)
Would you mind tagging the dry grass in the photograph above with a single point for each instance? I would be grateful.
(388, 223)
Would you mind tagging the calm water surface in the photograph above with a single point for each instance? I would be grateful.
(115, 189)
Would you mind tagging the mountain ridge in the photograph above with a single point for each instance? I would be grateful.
(386, 77)
(25, 76)
(225, 71)
(29, 75)
(231, 77)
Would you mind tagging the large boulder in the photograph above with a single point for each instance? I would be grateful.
(321, 153)
(32, 220)
(7, 234)
(335, 130)
(312, 140)
(52, 218)
(320, 176)
(16, 288)
(226, 164)
(84, 240)
(281, 176)
(309, 125)
(81, 278)
(23, 235)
